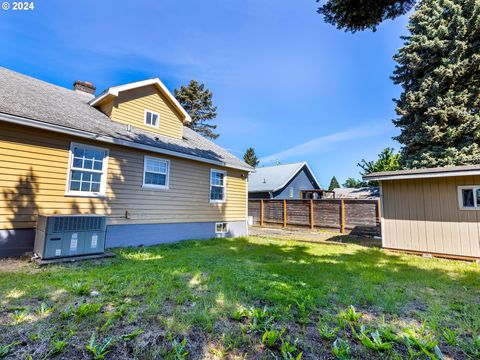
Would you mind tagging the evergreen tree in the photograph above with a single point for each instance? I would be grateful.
(355, 15)
(197, 101)
(251, 158)
(333, 184)
(439, 71)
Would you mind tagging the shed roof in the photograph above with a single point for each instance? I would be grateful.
(273, 178)
(424, 173)
(32, 102)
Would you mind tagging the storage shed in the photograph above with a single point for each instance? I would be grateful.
(432, 211)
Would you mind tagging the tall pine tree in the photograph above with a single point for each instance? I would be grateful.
(333, 184)
(250, 157)
(439, 71)
(197, 101)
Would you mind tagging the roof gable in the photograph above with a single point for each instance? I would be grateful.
(274, 178)
(114, 92)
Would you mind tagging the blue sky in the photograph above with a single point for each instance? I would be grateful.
(284, 82)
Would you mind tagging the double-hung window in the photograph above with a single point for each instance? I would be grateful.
(151, 118)
(87, 174)
(469, 197)
(155, 172)
(217, 186)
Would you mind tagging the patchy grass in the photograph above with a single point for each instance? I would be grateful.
(242, 298)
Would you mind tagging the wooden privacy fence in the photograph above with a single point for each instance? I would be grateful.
(356, 216)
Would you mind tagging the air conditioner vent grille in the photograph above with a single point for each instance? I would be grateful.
(78, 223)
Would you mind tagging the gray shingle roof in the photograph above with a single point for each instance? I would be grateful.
(357, 193)
(272, 178)
(27, 97)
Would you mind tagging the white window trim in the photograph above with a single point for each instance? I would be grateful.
(167, 175)
(460, 197)
(224, 186)
(221, 232)
(103, 179)
(145, 118)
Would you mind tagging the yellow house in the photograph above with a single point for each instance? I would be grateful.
(125, 153)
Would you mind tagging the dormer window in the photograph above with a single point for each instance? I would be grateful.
(151, 118)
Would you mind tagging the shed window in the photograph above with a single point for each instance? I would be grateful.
(155, 172)
(217, 185)
(469, 197)
(151, 118)
(87, 170)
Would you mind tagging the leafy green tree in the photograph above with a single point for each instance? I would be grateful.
(197, 101)
(250, 157)
(357, 15)
(387, 161)
(333, 184)
(439, 70)
(354, 183)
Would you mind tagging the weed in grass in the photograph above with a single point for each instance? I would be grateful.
(132, 335)
(271, 337)
(350, 315)
(44, 309)
(87, 309)
(178, 351)
(113, 316)
(449, 336)
(473, 348)
(373, 340)
(290, 351)
(237, 315)
(20, 315)
(56, 347)
(326, 332)
(303, 312)
(341, 349)
(261, 319)
(97, 349)
(422, 343)
(5, 349)
(80, 289)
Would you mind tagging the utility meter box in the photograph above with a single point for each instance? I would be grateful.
(59, 236)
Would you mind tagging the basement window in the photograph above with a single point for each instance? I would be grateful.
(87, 175)
(469, 197)
(151, 118)
(221, 228)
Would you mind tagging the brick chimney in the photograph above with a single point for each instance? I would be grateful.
(84, 86)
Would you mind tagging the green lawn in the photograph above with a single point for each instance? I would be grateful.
(242, 298)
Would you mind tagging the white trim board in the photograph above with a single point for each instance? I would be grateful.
(110, 140)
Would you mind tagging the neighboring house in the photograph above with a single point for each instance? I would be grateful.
(125, 153)
(284, 181)
(357, 193)
(431, 211)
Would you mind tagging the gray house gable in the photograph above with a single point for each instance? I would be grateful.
(300, 178)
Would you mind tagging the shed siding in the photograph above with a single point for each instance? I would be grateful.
(424, 215)
(34, 167)
(129, 108)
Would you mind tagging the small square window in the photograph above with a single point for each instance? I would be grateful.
(221, 228)
(469, 197)
(151, 118)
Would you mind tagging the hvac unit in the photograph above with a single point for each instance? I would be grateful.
(60, 236)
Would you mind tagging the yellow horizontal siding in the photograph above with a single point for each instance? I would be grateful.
(34, 166)
(129, 108)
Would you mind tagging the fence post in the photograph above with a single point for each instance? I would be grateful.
(284, 213)
(261, 212)
(312, 220)
(342, 213)
(379, 213)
